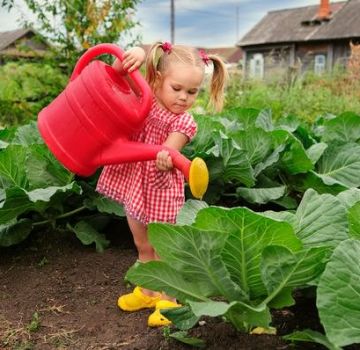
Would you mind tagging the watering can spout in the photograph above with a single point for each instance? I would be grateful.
(123, 151)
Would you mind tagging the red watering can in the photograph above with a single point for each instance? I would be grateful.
(90, 123)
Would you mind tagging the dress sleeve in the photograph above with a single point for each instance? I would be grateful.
(185, 124)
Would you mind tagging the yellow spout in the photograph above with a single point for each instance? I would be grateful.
(198, 177)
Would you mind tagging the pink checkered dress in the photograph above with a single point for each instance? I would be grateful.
(148, 194)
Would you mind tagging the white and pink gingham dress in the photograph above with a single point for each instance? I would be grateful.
(148, 194)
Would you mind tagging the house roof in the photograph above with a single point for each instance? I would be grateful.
(7, 38)
(231, 54)
(299, 25)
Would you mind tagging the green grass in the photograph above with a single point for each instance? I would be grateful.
(306, 96)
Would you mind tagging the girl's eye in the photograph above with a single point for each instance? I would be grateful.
(175, 88)
(192, 92)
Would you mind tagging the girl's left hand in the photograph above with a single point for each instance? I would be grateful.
(163, 161)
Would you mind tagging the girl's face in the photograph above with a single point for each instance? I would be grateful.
(177, 88)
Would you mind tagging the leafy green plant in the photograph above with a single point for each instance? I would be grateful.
(25, 88)
(40, 191)
(216, 257)
(257, 160)
(238, 264)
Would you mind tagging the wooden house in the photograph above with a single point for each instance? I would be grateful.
(312, 38)
(21, 43)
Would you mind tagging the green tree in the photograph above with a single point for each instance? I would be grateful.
(79, 24)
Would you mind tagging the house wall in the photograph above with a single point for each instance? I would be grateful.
(317, 57)
(275, 61)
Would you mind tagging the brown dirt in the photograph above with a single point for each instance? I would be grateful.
(56, 293)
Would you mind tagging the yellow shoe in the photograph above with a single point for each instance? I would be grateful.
(156, 319)
(137, 300)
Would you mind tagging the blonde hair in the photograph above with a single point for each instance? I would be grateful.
(158, 61)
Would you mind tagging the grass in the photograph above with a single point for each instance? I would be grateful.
(305, 96)
(24, 336)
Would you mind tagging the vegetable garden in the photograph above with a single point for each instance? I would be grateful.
(279, 224)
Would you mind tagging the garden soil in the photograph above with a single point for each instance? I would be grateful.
(56, 293)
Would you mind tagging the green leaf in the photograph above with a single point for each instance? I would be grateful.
(354, 220)
(197, 255)
(349, 197)
(43, 170)
(236, 165)
(295, 159)
(264, 120)
(11, 174)
(157, 275)
(184, 338)
(315, 151)
(189, 210)
(269, 161)
(321, 220)
(45, 194)
(344, 128)
(340, 164)
(14, 232)
(241, 256)
(338, 295)
(106, 205)
(256, 142)
(315, 181)
(88, 235)
(261, 195)
(246, 116)
(242, 315)
(18, 201)
(182, 317)
(27, 135)
(280, 268)
(309, 335)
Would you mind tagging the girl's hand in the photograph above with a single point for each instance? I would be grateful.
(163, 161)
(133, 59)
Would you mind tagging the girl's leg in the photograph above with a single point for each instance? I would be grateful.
(145, 250)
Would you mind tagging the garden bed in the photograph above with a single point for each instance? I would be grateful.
(57, 293)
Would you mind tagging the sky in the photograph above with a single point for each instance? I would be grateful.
(202, 23)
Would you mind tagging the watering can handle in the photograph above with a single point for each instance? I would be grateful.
(100, 49)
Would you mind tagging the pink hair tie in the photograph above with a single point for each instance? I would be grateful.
(204, 57)
(166, 46)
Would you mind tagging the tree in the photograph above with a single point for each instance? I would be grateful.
(79, 24)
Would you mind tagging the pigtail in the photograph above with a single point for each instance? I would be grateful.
(151, 63)
(218, 81)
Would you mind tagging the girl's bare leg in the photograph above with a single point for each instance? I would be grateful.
(145, 250)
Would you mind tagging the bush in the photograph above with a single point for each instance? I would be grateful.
(25, 88)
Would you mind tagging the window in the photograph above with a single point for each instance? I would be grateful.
(257, 66)
(320, 64)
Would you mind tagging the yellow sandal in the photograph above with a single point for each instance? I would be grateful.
(137, 300)
(156, 319)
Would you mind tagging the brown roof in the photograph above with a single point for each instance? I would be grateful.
(231, 54)
(300, 24)
(7, 38)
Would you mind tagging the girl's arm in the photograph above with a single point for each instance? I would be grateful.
(175, 140)
(132, 60)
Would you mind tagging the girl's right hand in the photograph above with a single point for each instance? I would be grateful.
(133, 59)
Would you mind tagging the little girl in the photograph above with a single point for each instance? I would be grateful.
(153, 191)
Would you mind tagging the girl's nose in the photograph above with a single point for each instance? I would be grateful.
(183, 96)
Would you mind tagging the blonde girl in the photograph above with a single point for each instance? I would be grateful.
(153, 191)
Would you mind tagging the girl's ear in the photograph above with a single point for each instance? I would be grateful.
(158, 79)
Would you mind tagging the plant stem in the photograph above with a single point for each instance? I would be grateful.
(65, 215)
